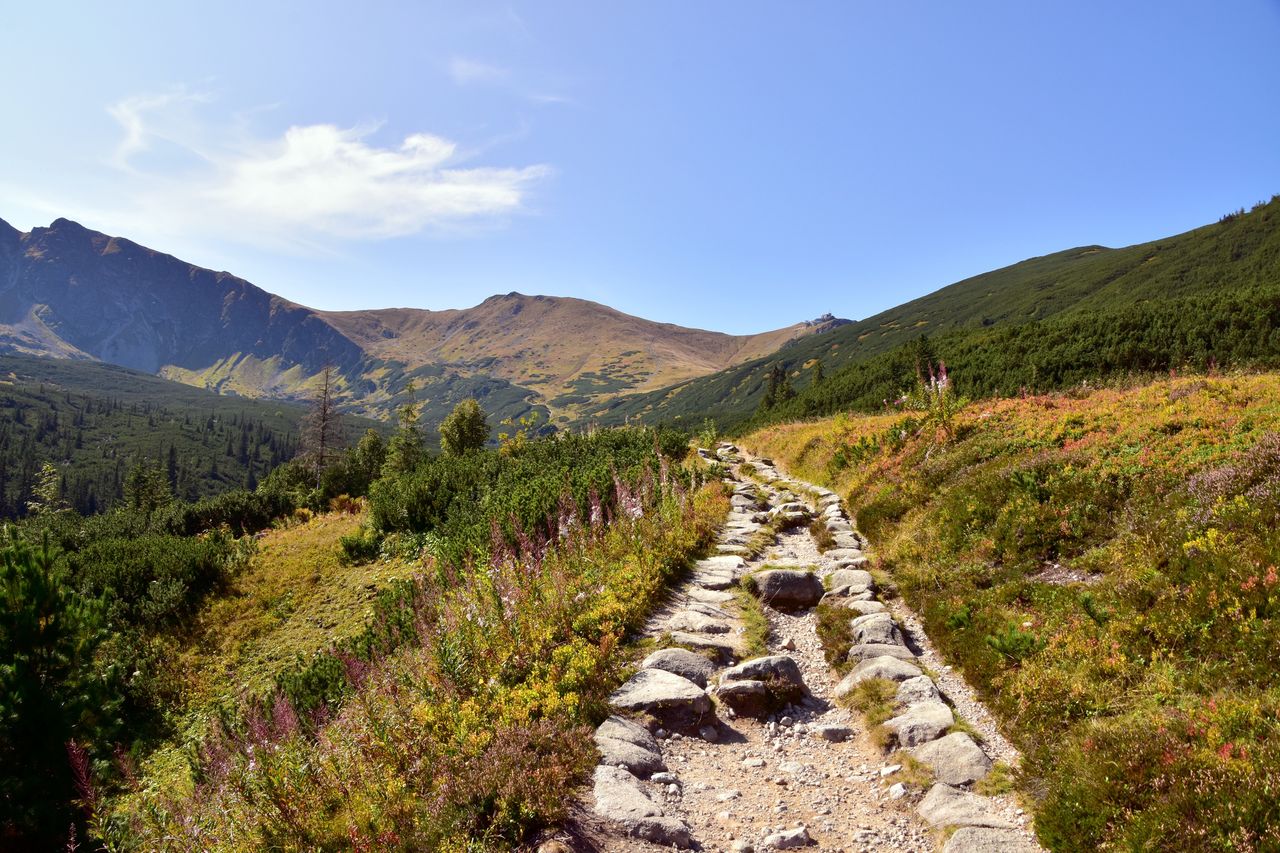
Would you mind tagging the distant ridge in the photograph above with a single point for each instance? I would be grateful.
(70, 292)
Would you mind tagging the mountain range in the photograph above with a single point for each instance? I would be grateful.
(70, 292)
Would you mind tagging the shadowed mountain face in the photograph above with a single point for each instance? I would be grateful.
(69, 292)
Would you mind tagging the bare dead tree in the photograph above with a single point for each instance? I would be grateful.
(322, 426)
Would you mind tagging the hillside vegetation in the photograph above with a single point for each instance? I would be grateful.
(97, 422)
(248, 672)
(1103, 566)
(1208, 296)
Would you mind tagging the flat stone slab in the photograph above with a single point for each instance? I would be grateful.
(865, 607)
(877, 650)
(684, 663)
(707, 596)
(852, 562)
(921, 723)
(947, 806)
(734, 550)
(918, 689)
(656, 690)
(982, 839)
(619, 797)
(890, 668)
(720, 644)
(955, 759)
(621, 728)
(698, 623)
(619, 753)
(850, 577)
(715, 581)
(843, 554)
(720, 564)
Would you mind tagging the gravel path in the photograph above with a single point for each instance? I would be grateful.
(808, 775)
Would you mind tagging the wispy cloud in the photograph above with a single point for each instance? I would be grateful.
(467, 71)
(309, 185)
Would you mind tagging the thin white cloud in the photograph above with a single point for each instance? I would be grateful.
(306, 187)
(467, 71)
(329, 180)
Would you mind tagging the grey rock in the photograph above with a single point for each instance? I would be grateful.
(921, 723)
(785, 589)
(874, 650)
(788, 838)
(918, 689)
(734, 550)
(981, 839)
(748, 698)
(947, 806)
(707, 596)
(850, 577)
(709, 733)
(843, 554)
(851, 562)
(865, 607)
(955, 759)
(833, 732)
(698, 623)
(714, 580)
(884, 666)
(682, 662)
(621, 728)
(660, 692)
(642, 762)
(719, 644)
(666, 831)
(876, 628)
(619, 797)
(720, 564)
(780, 667)
(897, 791)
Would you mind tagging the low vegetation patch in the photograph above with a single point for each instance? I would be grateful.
(1146, 700)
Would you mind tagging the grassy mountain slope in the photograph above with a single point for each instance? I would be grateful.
(69, 292)
(1082, 286)
(1103, 568)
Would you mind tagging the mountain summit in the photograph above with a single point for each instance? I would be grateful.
(69, 292)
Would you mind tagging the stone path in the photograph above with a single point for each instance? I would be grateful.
(710, 752)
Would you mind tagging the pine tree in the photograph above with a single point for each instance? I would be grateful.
(465, 430)
(50, 693)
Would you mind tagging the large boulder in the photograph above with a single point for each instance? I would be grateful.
(921, 723)
(787, 589)
(889, 668)
(663, 694)
(684, 663)
(947, 806)
(955, 759)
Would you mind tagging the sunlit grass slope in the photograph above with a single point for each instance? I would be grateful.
(1103, 565)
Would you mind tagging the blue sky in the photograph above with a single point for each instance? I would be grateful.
(729, 165)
